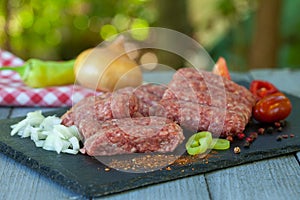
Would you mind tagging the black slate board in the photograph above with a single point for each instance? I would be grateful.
(87, 176)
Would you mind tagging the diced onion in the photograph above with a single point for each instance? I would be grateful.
(35, 118)
(48, 133)
(49, 122)
(39, 143)
(75, 143)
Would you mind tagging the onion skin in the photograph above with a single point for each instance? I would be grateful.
(107, 68)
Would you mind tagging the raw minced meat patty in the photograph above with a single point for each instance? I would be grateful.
(200, 100)
(149, 96)
(147, 118)
(131, 135)
(111, 124)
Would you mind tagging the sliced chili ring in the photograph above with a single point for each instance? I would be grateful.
(220, 144)
(198, 143)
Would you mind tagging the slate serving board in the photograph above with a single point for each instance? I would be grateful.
(87, 176)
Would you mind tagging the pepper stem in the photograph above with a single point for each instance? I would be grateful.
(19, 69)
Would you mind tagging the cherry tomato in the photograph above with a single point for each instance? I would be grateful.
(221, 69)
(261, 88)
(272, 108)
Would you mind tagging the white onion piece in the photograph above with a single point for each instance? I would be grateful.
(49, 122)
(39, 143)
(18, 127)
(48, 133)
(74, 143)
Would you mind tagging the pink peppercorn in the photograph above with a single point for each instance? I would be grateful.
(249, 139)
(253, 135)
(261, 131)
(241, 136)
(229, 138)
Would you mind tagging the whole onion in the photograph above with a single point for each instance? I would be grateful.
(107, 68)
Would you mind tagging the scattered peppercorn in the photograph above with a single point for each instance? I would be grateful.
(270, 129)
(253, 135)
(285, 136)
(249, 139)
(241, 136)
(292, 135)
(261, 131)
(229, 138)
(168, 168)
(279, 138)
(237, 150)
(277, 124)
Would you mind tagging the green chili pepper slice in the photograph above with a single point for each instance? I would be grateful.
(200, 142)
(220, 144)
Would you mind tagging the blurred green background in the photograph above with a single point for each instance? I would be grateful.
(248, 33)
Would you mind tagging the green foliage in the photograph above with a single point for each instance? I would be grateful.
(235, 44)
(290, 28)
(61, 29)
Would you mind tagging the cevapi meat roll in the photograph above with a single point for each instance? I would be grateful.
(130, 135)
(203, 101)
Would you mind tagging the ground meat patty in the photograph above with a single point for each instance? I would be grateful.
(205, 101)
(119, 122)
(123, 103)
(196, 117)
(84, 109)
(120, 104)
(149, 96)
(142, 135)
(89, 127)
(192, 83)
(207, 98)
(188, 76)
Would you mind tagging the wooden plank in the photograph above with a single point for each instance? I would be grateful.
(277, 178)
(4, 112)
(18, 181)
(188, 188)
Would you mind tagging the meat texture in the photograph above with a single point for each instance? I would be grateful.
(84, 109)
(131, 135)
(147, 118)
(119, 123)
(205, 101)
(119, 104)
(149, 96)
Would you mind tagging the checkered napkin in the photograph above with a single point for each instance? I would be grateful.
(13, 92)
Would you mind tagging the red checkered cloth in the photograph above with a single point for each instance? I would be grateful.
(13, 92)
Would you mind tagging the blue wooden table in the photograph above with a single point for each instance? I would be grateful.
(275, 178)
